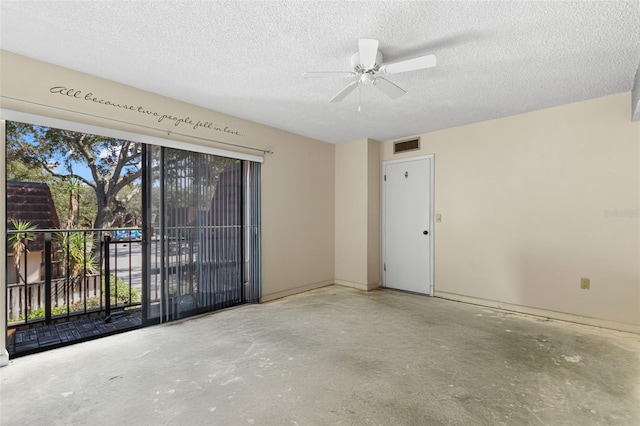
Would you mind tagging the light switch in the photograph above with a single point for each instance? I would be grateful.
(438, 217)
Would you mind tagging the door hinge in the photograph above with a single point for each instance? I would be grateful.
(385, 178)
(384, 267)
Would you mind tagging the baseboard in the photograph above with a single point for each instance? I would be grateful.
(359, 286)
(290, 292)
(4, 358)
(596, 322)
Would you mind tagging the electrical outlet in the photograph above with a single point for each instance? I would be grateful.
(585, 283)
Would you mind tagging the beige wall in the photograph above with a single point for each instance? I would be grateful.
(374, 188)
(297, 179)
(351, 213)
(34, 267)
(297, 216)
(357, 214)
(531, 203)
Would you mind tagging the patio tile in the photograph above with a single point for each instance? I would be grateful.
(26, 340)
(26, 336)
(49, 336)
(69, 335)
(106, 327)
(65, 326)
(29, 346)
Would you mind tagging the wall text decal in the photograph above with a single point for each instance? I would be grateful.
(177, 121)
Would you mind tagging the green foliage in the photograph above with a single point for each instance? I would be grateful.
(37, 152)
(39, 313)
(116, 285)
(18, 239)
(80, 255)
(192, 170)
(77, 250)
(21, 172)
(84, 198)
(57, 150)
(17, 242)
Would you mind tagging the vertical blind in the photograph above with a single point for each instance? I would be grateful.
(205, 216)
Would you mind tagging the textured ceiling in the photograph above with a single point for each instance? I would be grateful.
(247, 58)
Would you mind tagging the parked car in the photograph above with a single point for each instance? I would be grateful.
(126, 235)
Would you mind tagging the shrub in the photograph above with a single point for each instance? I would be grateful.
(77, 250)
(122, 291)
(93, 302)
(39, 313)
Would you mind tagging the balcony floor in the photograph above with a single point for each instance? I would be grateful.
(44, 337)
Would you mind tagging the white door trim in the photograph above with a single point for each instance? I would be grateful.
(431, 217)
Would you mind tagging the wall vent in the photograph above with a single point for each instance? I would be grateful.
(408, 145)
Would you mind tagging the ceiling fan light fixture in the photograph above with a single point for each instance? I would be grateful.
(367, 65)
(366, 78)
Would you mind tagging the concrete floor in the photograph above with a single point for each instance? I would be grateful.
(335, 356)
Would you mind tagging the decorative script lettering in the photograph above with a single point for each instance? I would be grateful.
(177, 121)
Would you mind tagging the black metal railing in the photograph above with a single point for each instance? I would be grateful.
(63, 273)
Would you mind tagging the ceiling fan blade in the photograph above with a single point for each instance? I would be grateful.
(328, 74)
(388, 87)
(419, 63)
(368, 48)
(344, 92)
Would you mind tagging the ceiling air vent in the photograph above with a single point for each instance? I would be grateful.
(408, 145)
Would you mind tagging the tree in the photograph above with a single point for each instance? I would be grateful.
(113, 164)
(18, 242)
(190, 181)
(84, 205)
(79, 253)
(22, 172)
(61, 191)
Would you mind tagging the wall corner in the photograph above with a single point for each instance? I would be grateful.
(374, 190)
(635, 97)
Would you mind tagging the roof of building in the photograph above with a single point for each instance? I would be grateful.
(32, 202)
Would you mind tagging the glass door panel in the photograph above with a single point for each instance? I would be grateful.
(194, 233)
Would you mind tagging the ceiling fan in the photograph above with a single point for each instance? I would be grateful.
(368, 67)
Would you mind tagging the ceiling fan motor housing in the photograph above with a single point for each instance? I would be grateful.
(361, 69)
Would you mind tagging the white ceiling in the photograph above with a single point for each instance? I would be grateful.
(247, 58)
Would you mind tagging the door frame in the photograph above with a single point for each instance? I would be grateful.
(431, 157)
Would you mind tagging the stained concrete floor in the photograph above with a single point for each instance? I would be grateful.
(335, 356)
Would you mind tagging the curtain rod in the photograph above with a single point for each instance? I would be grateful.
(168, 132)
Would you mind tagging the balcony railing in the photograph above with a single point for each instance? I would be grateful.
(69, 273)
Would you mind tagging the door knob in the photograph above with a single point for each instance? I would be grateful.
(425, 232)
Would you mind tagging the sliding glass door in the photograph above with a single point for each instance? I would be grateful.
(202, 233)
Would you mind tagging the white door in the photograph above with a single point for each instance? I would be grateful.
(407, 225)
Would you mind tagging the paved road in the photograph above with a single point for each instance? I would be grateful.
(126, 261)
